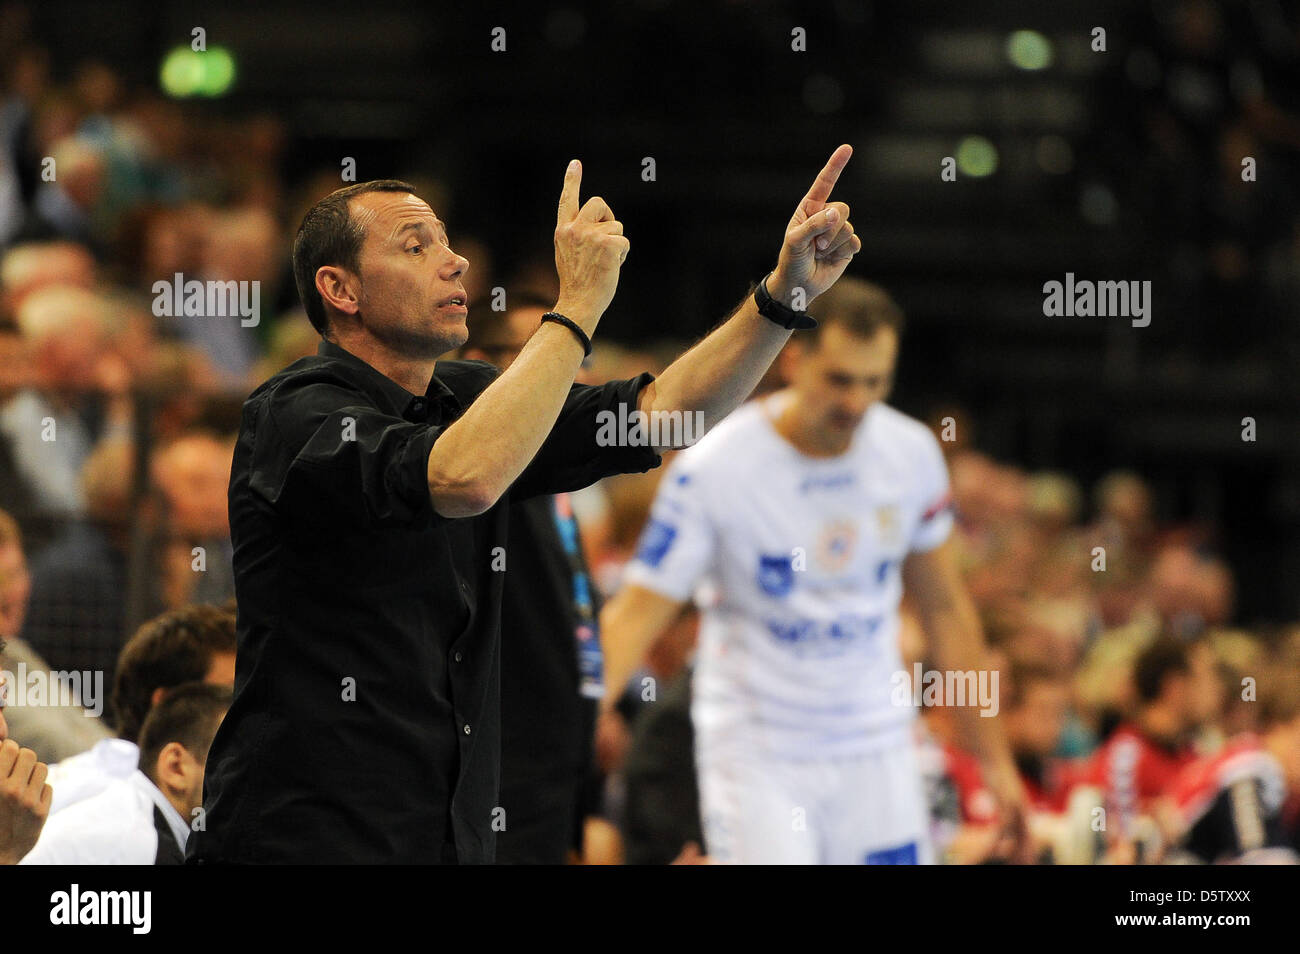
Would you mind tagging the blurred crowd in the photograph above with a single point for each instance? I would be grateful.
(1126, 687)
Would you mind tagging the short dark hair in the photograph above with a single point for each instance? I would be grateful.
(189, 715)
(174, 648)
(1165, 657)
(329, 236)
(860, 307)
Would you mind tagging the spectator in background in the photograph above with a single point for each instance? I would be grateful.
(192, 644)
(77, 618)
(1035, 705)
(145, 818)
(1139, 761)
(65, 207)
(1229, 806)
(52, 424)
(239, 245)
(53, 731)
(192, 474)
(32, 266)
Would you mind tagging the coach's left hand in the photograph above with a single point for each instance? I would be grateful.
(819, 241)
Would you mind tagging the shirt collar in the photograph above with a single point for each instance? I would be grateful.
(411, 406)
(174, 820)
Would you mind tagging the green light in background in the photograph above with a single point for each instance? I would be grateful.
(977, 157)
(1029, 50)
(219, 73)
(187, 73)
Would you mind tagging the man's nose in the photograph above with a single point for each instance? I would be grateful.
(457, 265)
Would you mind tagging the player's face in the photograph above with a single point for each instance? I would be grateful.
(839, 379)
(409, 276)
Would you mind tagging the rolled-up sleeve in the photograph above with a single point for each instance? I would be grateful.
(320, 451)
(577, 453)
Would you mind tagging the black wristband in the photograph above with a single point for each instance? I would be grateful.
(559, 319)
(774, 311)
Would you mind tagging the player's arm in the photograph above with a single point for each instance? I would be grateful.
(956, 642)
(722, 370)
(629, 625)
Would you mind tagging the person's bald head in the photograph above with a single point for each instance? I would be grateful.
(31, 266)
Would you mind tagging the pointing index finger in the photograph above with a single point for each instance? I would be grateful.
(568, 209)
(826, 179)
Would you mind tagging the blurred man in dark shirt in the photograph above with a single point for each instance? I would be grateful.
(550, 647)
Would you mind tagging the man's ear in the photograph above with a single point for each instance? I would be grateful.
(339, 289)
(170, 767)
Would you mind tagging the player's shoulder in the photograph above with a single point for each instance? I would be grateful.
(891, 424)
(733, 444)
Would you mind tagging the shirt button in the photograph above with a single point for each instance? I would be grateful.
(467, 730)
(458, 657)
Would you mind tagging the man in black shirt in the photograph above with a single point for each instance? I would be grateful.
(368, 499)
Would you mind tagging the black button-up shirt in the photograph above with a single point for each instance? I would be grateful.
(366, 719)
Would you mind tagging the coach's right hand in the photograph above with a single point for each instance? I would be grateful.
(589, 250)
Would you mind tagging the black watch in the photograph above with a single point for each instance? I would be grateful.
(774, 311)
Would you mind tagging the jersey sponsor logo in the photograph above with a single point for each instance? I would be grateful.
(820, 636)
(655, 541)
(776, 574)
(829, 482)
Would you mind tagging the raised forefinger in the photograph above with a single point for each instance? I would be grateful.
(826, 179)
(568, 209)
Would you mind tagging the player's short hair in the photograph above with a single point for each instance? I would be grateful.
(1165, 657)
(859, 307)
(328, 235)
(189, 715)
(169, 650)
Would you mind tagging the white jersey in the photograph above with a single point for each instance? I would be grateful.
(798, 640)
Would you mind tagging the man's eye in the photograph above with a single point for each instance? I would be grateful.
(417, 248)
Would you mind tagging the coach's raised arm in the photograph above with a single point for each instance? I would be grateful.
(483, 453)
